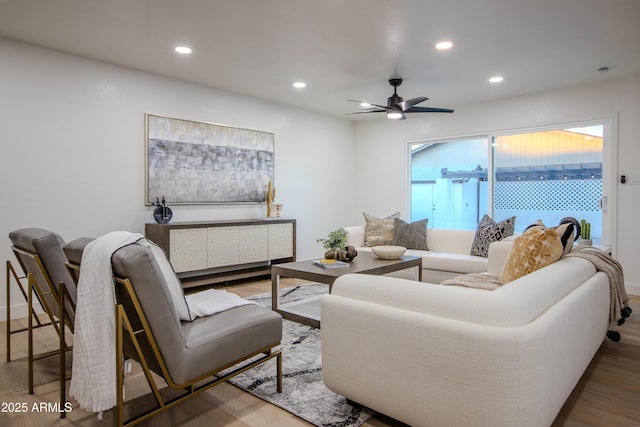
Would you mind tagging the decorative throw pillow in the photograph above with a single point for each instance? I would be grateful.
(489, 231)
(537, 247)
(565, 233)
(378, 231)
(411, 236)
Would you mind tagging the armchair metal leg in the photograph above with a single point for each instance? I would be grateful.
(63, 352)
(30, 281)
(279, 372)
(11, 272)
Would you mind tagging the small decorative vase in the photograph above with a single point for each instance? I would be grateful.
(347, 254)
(585, 242)
(331, 254)
(162, 213)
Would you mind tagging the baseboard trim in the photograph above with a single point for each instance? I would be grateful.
(18, 311)
(632, 289)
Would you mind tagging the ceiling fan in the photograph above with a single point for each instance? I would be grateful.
(396, 107)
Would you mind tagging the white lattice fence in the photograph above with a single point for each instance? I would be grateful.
(549, 195)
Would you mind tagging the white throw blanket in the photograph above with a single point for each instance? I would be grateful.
(93, 383)
(212, 301)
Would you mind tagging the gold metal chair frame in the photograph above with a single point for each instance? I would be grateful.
(138, 329)
(61, 297)
(11, 272)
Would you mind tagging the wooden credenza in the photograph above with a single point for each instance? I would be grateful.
(207, 252)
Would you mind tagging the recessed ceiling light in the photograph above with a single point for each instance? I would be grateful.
(299, 85)
(496, 79)
(444, 45)
(183, 49)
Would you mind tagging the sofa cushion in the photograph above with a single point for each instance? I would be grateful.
(411, 236)
(489, 231)
(355, 235)
(537, 247)
(449, 240)
(379, 231)
(459, 263)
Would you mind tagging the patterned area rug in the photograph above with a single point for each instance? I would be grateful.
(303, 391)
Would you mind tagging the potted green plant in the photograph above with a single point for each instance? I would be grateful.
(585, 233)
(335, 240)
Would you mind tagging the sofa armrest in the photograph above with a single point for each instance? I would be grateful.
(355, 235)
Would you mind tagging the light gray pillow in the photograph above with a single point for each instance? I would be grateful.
(411, 235)
(379, 231)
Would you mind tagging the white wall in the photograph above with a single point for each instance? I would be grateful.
(381, 148)
(72, 134)
(72, 138)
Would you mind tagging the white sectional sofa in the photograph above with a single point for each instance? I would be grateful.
(434, 355)
(447, 257)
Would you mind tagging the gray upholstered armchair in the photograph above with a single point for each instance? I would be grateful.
(39, 253)
(188, 355)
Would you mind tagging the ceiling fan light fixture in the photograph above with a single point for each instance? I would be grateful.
(394, 114)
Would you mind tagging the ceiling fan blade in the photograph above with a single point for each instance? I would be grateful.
(370, 111)
(428, 110)
(405, 105)
(384, 107)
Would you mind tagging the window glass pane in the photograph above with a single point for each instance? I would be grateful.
(449, 182)
(550, 175)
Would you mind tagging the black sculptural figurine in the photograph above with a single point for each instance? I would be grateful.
(162, 213)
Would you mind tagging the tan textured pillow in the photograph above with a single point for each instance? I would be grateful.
(565, 234)
(537, 247)
(379, 231)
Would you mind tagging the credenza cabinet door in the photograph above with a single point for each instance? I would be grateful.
(281, 241)
(236, 245)
(188, 249)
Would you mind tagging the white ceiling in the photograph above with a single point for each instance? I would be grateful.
(346, 49)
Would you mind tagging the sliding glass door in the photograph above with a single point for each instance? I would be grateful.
(550, 175)
(449, 182)
(545, 173)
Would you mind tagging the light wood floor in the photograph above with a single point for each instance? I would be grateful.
(607, 395)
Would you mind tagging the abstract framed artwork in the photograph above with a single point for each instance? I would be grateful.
(189, 162)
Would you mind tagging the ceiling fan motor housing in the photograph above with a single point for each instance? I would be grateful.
(393, 100)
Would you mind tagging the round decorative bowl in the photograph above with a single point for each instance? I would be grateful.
(388, 252)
